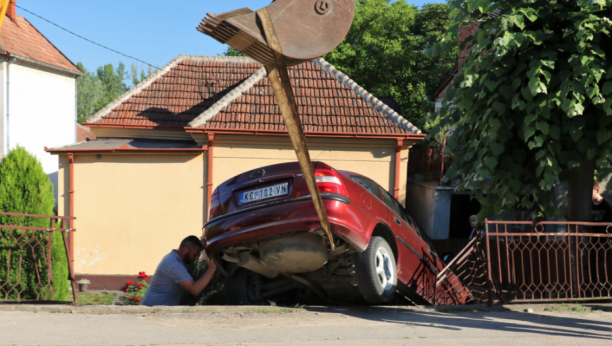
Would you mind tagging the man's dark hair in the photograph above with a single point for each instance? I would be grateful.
(595, 185)
(191, 242)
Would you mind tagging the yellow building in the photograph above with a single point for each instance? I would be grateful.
(161, 149)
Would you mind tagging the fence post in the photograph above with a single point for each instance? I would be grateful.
(488, 255)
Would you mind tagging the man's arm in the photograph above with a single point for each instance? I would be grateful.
(196, 287)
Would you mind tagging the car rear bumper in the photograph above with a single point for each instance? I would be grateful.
(271, 220)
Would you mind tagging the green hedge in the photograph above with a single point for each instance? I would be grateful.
(25, 188)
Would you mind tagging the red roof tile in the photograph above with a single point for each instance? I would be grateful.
(84, 133)
(19, 37)
(234, 93)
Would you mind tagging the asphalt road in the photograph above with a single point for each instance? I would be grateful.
(303, 326)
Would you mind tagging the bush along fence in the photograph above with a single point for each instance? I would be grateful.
(522, 261)
(34, 259)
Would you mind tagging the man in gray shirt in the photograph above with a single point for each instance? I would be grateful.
(171, 277)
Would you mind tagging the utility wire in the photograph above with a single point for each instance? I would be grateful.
(86, 39)
(208, 84)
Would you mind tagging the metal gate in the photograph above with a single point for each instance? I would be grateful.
(29, 248)
(522, 261)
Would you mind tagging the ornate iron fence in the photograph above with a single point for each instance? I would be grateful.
(521, 261)
(29, 248)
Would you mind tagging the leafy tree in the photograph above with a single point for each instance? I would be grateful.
(232, 52)
(139, 77)
(113, 82)
(26, 189)
(384, 52)
(532, 106)
(96, 90)
(89, 93)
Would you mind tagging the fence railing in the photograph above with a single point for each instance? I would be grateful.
(521, 261)
(427, 162)
(27, 245)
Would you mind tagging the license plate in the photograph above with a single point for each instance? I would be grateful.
(263, 193)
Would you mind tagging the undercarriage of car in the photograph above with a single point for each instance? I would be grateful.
(299, 263)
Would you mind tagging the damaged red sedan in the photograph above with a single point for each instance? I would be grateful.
(265, 236)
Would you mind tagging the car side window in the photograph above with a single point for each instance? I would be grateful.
(368, 185)
(423, 235)
(397, 208)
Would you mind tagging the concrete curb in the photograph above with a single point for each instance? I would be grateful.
(216, 309)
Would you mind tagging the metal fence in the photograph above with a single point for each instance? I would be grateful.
(521, 261)
(428, 162)
(470, 275)
(29, 248)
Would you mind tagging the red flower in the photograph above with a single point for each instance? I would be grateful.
(129, 283)
(142, 275)
(132, 299)
(126, 291)
(138, 299)
(139, 288)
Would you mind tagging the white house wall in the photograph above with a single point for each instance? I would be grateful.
(41, 112)
(3, 105)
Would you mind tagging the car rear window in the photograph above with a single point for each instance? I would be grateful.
(368, 185)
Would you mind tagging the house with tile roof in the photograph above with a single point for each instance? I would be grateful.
(37, 92)
(163, 147)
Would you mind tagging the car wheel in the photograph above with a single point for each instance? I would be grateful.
(239, 287)
(245, 287)
(376, 271)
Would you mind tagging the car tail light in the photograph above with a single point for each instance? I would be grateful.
(215, 206)
(329, 181)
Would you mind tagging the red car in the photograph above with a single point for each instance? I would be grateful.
(265, 235)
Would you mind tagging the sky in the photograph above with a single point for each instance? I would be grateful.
(153, 31)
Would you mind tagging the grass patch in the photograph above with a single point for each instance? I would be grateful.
(95, 299)
(267, 311)
(568, 308)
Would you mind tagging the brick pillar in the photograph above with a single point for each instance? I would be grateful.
(10, 11)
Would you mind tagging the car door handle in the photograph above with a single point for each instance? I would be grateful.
(397, 221)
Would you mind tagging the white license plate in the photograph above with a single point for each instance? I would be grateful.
(263, 193)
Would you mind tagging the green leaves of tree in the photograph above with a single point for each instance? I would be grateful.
(532, 100)
(384, 52)
(96, 90)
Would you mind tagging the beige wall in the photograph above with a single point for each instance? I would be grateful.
(132, 209)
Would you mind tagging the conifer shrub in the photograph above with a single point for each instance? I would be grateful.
(59, 267)
(26, 189)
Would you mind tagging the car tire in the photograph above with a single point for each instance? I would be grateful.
(236, 287)
(376, 271)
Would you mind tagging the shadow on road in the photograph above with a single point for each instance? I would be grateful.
(512, 321)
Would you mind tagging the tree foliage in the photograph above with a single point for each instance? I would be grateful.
(532, 105)
(26, 189)
(384, 52)
(231, 51)
(96, 90)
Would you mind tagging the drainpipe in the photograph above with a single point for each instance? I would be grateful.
(398, 160)
(8, 109)
(76, 110)
(209, 168)
(71, 206)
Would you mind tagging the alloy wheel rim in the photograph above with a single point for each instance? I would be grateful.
(384, 268)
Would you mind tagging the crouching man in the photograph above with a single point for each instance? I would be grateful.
(171, 277)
